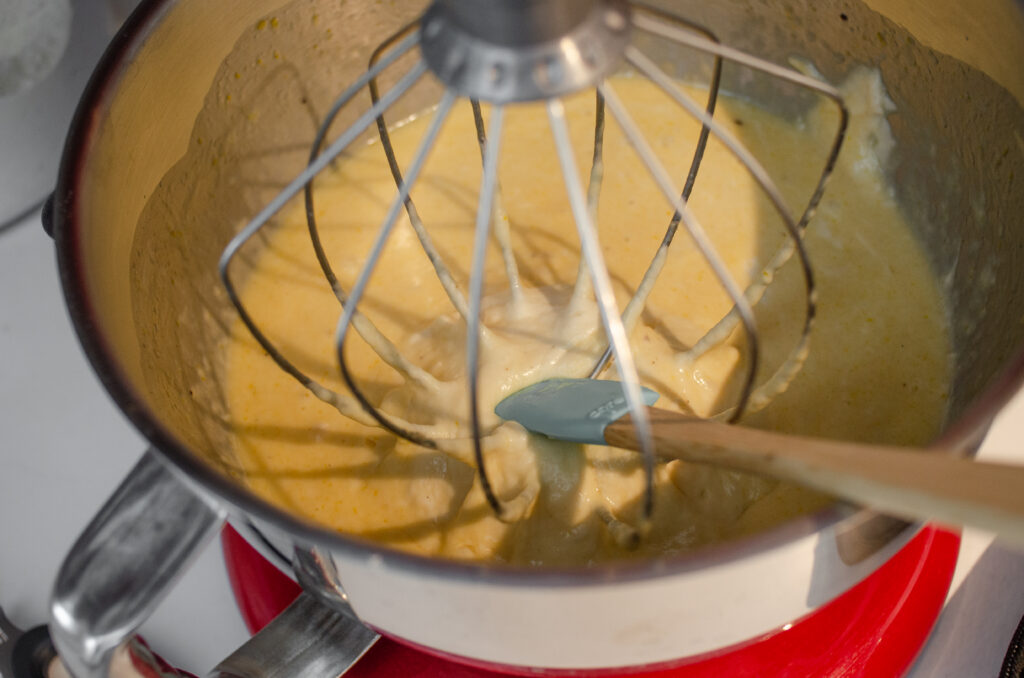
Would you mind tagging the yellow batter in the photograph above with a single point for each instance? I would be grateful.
(878, 368)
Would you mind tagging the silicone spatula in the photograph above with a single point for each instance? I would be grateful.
(920, 484)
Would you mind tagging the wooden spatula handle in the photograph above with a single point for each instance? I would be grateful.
(906, 482)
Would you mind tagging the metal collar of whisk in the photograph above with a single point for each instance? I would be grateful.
(504, 51)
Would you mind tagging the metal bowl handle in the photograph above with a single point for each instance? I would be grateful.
(307, 639)
(128, 558)
(125, 561)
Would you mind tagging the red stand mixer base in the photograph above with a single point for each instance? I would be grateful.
(876, 628)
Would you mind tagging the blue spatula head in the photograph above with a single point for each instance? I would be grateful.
(577, 410)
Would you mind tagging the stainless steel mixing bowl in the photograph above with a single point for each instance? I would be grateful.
(189, 125)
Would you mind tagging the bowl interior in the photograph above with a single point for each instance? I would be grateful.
(171, 156)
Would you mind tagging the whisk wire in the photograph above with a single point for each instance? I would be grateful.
(484, 218)
(638, 301)
(335, 148)
(363, 325)
(441, 270)
(605, 296)
(688, 38)
(373, 256)
(581, 289)
(785, 373)
(344, 405)
(780, 380)
(502, 228)
(696, 231)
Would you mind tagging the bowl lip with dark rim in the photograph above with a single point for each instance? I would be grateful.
(102, 86)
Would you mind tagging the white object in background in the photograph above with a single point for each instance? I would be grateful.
(33, 36)
(64, 447)
(34, 121)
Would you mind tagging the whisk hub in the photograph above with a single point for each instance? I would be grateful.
(505, 51)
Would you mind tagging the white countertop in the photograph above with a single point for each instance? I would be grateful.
(65, 447)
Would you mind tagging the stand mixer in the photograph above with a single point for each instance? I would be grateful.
(151, 363)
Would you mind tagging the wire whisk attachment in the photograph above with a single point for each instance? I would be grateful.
(501, 52)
